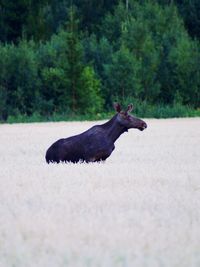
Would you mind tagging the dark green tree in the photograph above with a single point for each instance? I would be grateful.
(35, 26)
(98, 53)
(74, 57)
(19, 81)
(122, 75)
(22, 18)
(13, 15)
(190, 12)
(186, 72)
(54, 95)
(92, 12)
(114, 23)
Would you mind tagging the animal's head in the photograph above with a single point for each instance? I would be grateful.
(127, 120)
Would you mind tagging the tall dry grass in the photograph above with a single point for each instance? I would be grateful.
(140, 208)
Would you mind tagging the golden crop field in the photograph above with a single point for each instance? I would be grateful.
(139, 208)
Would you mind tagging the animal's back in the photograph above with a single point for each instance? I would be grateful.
(67, 149)
(91, 145)
(53, 152)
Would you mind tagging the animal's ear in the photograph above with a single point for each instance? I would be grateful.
(129, 108)
(117, 107)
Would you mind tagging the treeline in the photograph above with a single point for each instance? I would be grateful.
(79, 56)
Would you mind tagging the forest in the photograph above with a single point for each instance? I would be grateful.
(76, 57)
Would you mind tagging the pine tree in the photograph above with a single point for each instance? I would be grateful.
(122, 75)
(74, 57)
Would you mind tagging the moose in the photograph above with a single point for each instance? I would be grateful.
(97, 143)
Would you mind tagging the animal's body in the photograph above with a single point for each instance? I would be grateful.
(95, 144)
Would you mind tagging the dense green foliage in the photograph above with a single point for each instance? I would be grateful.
(77, 57)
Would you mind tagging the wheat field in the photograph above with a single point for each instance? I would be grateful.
(139, 208)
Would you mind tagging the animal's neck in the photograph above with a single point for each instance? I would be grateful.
(114, 129)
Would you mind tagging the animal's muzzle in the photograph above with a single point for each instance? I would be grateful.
(143, 126)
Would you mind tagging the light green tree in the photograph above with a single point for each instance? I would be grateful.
(90, 100)
(122, 75)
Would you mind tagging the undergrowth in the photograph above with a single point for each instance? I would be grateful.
(142, 110)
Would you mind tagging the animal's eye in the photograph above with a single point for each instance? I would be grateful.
(123, 115)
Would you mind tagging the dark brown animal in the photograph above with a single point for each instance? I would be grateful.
(97, 143)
